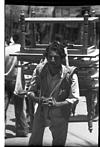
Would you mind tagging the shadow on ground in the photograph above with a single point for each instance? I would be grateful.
(78, 118)
(81, 118)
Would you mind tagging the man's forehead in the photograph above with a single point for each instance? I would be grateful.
(53, 53)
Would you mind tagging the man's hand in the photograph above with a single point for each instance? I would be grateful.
(32, 96)
(50, 102)
(47, 101)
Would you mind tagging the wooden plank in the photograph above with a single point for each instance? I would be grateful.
(74, 51)
(29, 52)
(28, 57)
(90, 55)
(59, 19)
(25, 54)
(35, 50)
(87, 72)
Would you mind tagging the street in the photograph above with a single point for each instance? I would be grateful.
(78, 133)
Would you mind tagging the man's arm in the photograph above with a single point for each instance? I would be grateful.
(73, 96)
(74, 92)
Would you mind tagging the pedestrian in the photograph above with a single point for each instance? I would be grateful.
(11, 83)
(55, 88)
(22, 129)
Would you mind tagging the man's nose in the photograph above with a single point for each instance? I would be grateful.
(53, 59)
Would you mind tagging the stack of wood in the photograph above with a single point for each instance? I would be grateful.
(88, 69)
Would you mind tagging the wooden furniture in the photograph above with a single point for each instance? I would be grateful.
(85, 55)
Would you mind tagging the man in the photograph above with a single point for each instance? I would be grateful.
(11, 79)
(55, 88)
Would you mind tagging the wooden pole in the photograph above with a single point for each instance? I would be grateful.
(33, 30)
(22, 23)
(85, 43)
(94, 28)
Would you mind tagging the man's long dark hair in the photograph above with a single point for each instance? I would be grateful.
(55, 46)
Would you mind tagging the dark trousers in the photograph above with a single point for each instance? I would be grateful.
(21, 122)
(58, 128)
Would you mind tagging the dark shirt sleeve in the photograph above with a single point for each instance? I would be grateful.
(74, 91)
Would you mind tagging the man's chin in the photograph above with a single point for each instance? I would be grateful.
(53, 65)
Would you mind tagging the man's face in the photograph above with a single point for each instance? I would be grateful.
(54, 59)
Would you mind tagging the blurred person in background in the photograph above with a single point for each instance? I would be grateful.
(13, 82)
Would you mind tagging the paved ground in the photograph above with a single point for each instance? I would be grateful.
(78, 133)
